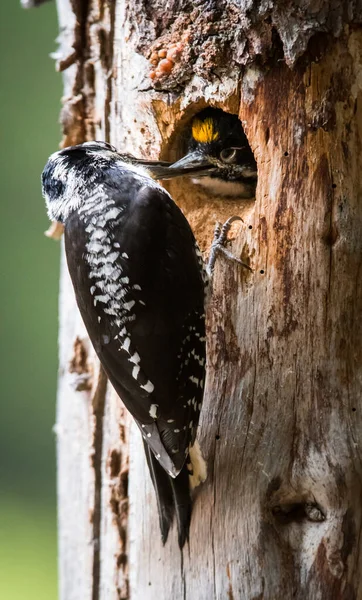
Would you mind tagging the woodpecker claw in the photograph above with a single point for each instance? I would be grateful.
(218, 245)
(55, 230)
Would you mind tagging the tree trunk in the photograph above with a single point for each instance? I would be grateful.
(280, 513)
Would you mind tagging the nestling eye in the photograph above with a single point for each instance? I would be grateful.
(229, 155)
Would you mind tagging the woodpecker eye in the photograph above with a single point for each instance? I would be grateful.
(229, 155)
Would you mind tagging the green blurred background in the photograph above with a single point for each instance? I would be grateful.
(30, 92)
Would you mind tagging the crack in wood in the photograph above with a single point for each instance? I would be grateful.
(98, 404)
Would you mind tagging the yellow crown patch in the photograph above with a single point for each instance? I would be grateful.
(203, 131)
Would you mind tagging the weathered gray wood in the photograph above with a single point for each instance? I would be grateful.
(114, 502)
(82, 386)
(75, 478)
(280, 513)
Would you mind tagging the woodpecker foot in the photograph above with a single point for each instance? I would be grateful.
(55, 230)
(218, 245)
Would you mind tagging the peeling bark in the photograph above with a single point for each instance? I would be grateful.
(280, 513)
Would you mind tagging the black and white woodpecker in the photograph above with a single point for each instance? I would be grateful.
(217, 145)
(139, 282)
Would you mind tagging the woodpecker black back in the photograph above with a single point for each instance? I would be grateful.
(139, 282)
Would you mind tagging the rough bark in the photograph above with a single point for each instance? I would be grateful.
(280, 513)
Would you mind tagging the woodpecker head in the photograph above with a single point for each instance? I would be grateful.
(218, 145)
(70, 172)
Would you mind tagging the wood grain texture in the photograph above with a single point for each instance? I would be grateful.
(92, 466)
(75, 479)
(280, 513)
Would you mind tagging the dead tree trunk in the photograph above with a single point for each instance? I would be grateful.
(280, 513)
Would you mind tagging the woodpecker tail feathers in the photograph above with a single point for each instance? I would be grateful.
(182, 503)
(173, 498)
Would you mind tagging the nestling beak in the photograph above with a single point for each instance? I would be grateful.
(194, 163)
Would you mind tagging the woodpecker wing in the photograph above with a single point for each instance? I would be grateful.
(137, 279)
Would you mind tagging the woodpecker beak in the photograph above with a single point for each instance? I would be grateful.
(194, 163)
